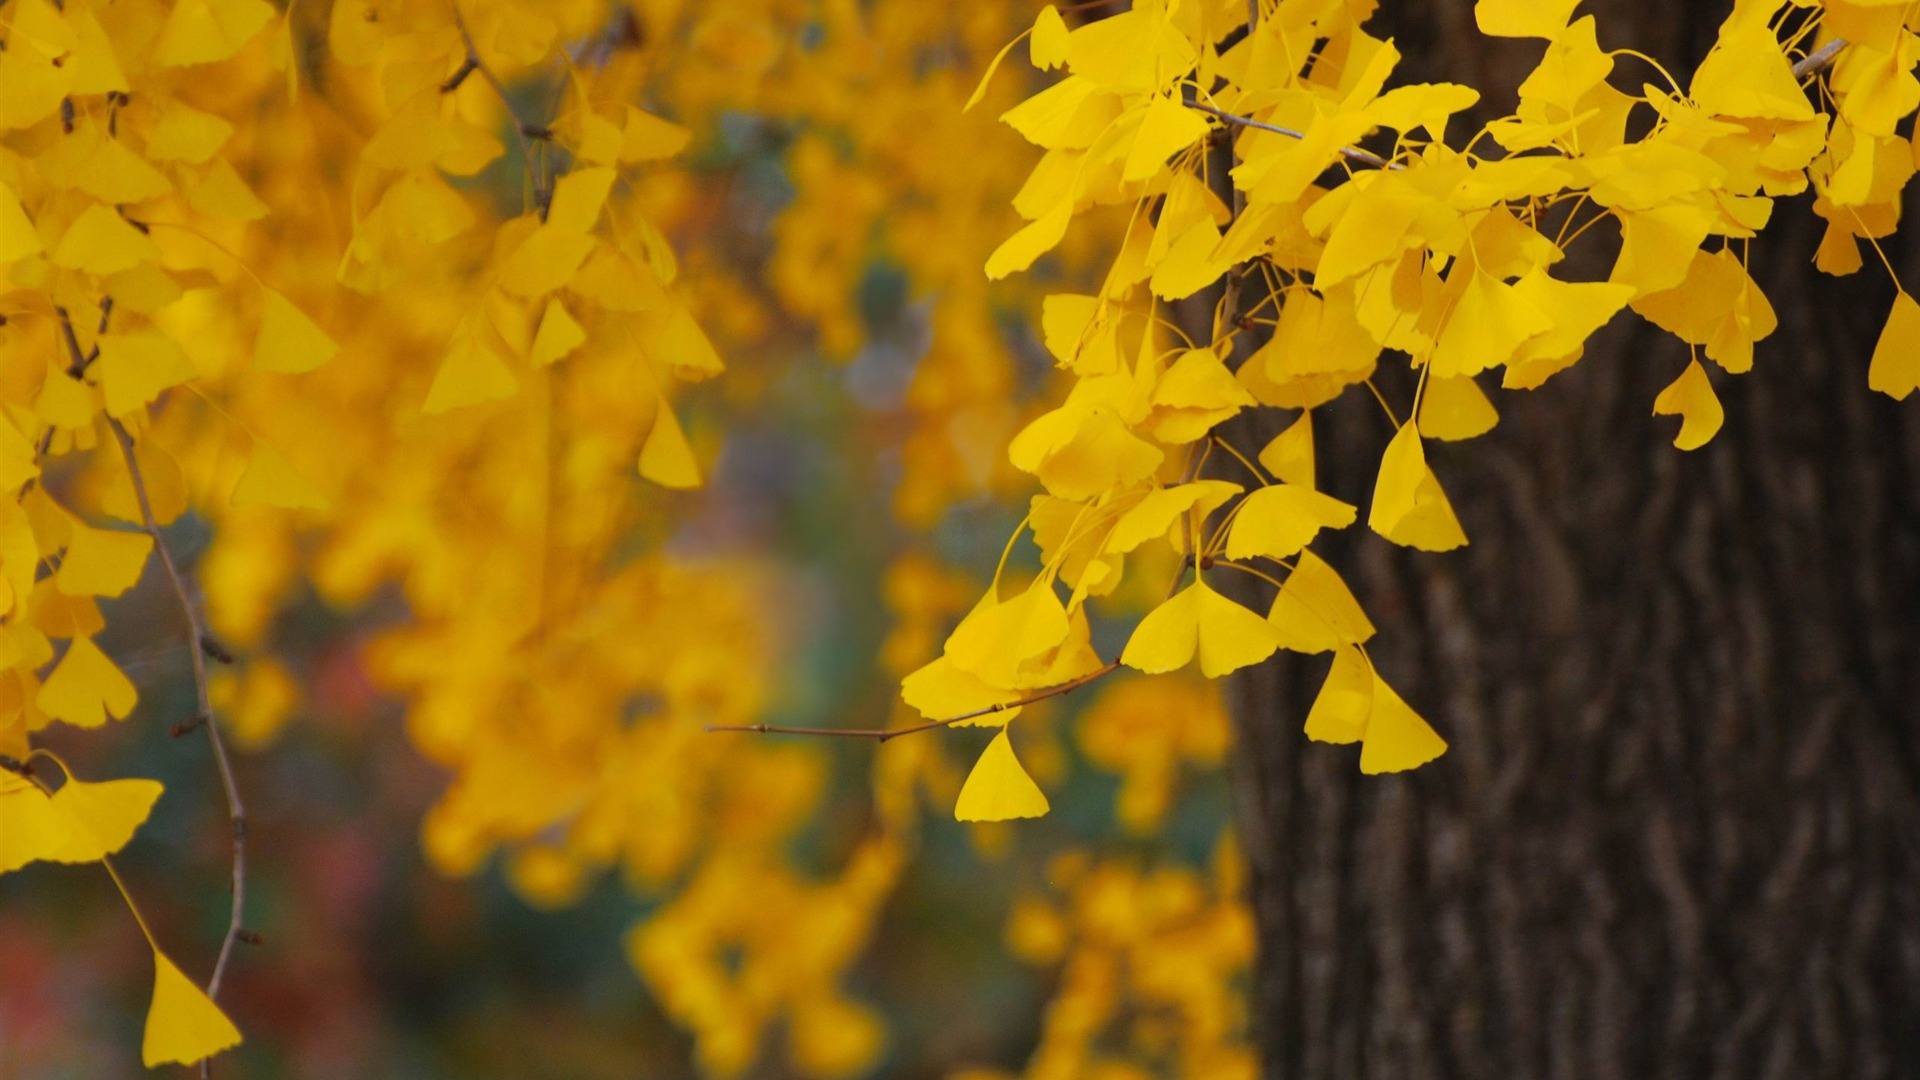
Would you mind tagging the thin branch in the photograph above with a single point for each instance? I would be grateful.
(1351, 153)
(236, 809)
(1820, 59)
(522, 130)
(881, 735)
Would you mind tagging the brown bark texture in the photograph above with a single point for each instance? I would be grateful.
(1677, 833)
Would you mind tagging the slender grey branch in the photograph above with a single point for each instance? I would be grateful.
(196, 630)
(1820, 59)
(1351, 153)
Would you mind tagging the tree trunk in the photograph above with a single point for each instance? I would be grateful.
(1678, 830)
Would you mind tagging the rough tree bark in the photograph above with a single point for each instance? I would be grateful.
(1678, 831)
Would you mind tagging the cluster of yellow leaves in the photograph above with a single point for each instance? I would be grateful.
(1335, 255)
(82, 822)
(1148, 960)
(236, 242)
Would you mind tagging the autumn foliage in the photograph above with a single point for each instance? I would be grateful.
(409, 305)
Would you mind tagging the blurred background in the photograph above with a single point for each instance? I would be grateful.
(778, 906)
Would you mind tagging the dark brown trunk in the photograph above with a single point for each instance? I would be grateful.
(1678, 831)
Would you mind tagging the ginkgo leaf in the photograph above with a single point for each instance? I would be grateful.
(206, 31)
(1409, 507)
(1691, 397)
(646, 137)
(677, 341)
(1339, 713)
(18, 237)
(1278, 521)
(183, 1023)
(271, 480)
(1034, 239)
(85, 688)
(104, 816)
(101, 242)
(666, 458)
(997, 636)
(1487, 328)
(1289, 457)
(472, 373)
(998, 789)
(289, 342)
(578, 198)
(33, 829)
(1315, 611)
(1455, 409)
(1226, 636)
(1396, 739)
(1166, 128)
(102, 562)
(940, 690)
(135, 369)
(545, 260)
(1155, 514)
(1895, 369)
(557, 336)
(1048, 46)
(1523, 18)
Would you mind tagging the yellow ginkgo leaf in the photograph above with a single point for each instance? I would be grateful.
(1487, 328)
(1155, 514)
(206, 31)
(159, 473)
(101, 242)
(18, 238)
(102, 562)
(557, 336)
(104, 816)
(1691, 397)
(1409, 507)
(545, 260)
(1048, 46)
(998, 789)
(1315, 611)
(666, 458)
(1396, 739)
(1523, 18)
(135, 369)
(1289, 457)
(940, 690)
(998, 636)
(32, 828)
(1278, 521)
(1034, 239)
(183, 1023)
(1455, 408)
(1166, 128)
(271, 480)
(472, 373)
(86, 688)
(677, 341)
(289, 342)
(1339, 713)
(646, 137)
(1895, 370)
(1226, 636)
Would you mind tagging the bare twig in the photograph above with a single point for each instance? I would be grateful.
(884, 734)
(236, 809)
(523, 131)
(1351, 153)
(1820, 59)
